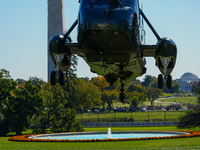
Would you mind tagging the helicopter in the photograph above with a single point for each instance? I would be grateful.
(111, 40)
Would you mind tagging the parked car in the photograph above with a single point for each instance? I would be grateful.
(120, 110)
(143, 109)
(132, 109)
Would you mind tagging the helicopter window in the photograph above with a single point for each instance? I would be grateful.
(107, 2)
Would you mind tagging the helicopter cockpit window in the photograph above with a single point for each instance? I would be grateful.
(107, 2)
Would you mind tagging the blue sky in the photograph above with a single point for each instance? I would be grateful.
(23, 35)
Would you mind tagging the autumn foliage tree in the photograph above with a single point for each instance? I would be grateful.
(100, 82)
(135, 94)
(83, 95)
(194, 87)
(153, 94)
(89, 95)
(108, 97)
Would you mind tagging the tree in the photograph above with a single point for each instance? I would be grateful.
(27, 102)
(82, 94)
(194, 87)
(86, 79)
(73, 100)
(154, 83)
(135, 93)
(4, 74)
(89, 95)
(198, 94)
(136, 81)
(7, 88)
(153, 94)
(19, 104)
(147, 80)
(20, 81)
(55, 114)
(100, 82)
(55, 98)
(71, 71)
(134, 102)
(175, 86)
(190, 120)
(108, 96)
(36, 80)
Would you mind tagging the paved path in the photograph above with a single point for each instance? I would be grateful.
(159, 100)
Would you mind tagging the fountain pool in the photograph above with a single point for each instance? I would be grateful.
(106, 135)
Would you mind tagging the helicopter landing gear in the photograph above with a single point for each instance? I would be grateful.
(160, 81)
(57, 76)
(167, 80)
(61, 78)
(53, 78)
(122, 94)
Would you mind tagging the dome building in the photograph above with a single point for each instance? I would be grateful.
(187, 79)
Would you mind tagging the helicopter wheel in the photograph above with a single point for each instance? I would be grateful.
(122, 97)
(160, 81)
(122, 94)
(53, 78)
(61, 78)
(169, 82)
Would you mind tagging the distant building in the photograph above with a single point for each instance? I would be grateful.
(187, 79)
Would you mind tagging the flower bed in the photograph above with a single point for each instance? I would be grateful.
(25, 138)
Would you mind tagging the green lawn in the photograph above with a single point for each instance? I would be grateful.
(181, 99)
(148, 103)
(172, 144)
(138, 116)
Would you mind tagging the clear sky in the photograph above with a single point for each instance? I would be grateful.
(23, 35)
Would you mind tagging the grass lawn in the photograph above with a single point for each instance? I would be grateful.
(172, 144)
(138, 116)
(181, 99)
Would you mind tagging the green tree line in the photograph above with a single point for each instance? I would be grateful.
(38, 105)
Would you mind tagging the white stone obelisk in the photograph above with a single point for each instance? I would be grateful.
(56, 25)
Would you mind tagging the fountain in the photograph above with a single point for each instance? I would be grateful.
(109, 133)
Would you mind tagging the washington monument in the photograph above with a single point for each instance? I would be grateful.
(56, 25)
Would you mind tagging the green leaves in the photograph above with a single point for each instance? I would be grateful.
(153, 94)
(19, 104)
(56, 114)
(4, 74)
(109, 96)
(190, 120)
(88, 94)
(135, 94)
